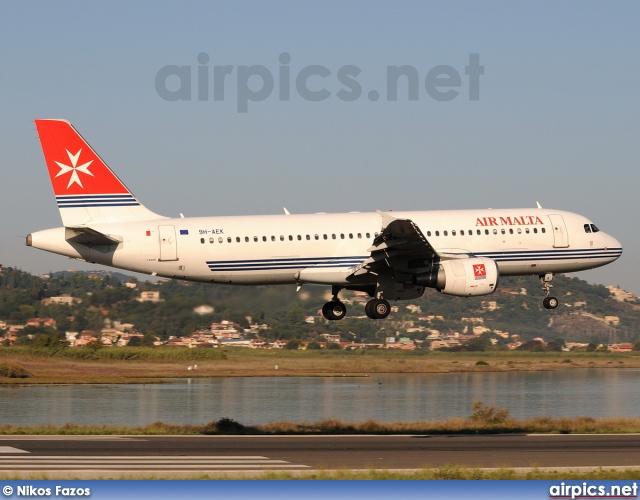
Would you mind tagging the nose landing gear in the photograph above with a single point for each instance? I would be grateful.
(548, 302)
(334, 309)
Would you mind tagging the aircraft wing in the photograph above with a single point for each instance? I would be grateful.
(400, 246)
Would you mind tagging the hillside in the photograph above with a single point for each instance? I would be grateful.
(587, 313)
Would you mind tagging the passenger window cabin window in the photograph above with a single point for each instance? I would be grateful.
(264, 238)
(495, 231)
(535, 230)
(273, 238)
(368, 235)
(333, 236)
(359, 236)
(342, 236)
(201, 240)
(428, 233)
(543, 230)
(502, 231)
(237, 239)
(510, 230)
(220, 239)
(211, 240)
(324, 236)
(317, 236)
(282, 237)
(299, 237)
(290, 237)
(350, 236)
(437, 233)
(526, 230)
(453, 233)
(445, 233)
(376, 234)
(486, 231)
(478, 232)
(462, 232)
(519, 230)
(308, 237)
(229, 240)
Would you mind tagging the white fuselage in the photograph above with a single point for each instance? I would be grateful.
(250, 250)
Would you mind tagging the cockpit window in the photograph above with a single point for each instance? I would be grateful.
(594, 228)
(587, 228)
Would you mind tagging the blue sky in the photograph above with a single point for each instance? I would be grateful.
(556, 120)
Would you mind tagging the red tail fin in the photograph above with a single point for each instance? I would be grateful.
(85, 187)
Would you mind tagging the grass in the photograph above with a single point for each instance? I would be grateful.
(144, 365)
(446, 472)
(483, 420)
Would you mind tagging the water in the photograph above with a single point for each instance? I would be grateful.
(385, 398)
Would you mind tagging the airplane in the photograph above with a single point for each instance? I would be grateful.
(388, 255)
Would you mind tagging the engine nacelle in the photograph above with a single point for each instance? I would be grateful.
(463, 277)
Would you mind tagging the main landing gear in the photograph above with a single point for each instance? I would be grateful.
(548, 302)
(377, 308)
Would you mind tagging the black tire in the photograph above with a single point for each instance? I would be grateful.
(377, 308)
(368, 309)
(545, 303)
(552, 302)
(334, 310)
(325, 310)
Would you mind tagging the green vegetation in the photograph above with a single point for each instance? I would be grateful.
(14, 370)
(454, 472)
(104, 300)
(483, 420)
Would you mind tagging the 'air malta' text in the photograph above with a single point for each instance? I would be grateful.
(524, 220)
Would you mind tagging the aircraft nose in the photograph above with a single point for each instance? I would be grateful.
(614, 247)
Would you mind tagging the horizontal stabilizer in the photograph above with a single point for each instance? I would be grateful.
(90, 237)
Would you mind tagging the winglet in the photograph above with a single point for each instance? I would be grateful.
(386, 218)
(538, 204)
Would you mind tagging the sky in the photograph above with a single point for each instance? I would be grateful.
(514, 103)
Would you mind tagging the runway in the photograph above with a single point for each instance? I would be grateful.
(99, 455)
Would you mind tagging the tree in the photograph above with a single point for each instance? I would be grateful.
(292, 344)
(148, 339)
(134, 342)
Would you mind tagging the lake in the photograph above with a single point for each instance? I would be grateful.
(385, 398)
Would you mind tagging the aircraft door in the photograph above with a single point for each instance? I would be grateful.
(168, 244)
(560, 235)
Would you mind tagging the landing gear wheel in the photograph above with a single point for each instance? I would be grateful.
(367, 309)
(552, 302)
(377, 308)
(334, 310)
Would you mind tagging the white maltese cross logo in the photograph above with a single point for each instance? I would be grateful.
(74, 168)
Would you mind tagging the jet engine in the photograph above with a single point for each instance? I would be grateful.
(462, 277)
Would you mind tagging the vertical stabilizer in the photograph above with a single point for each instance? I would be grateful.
(86, 189)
